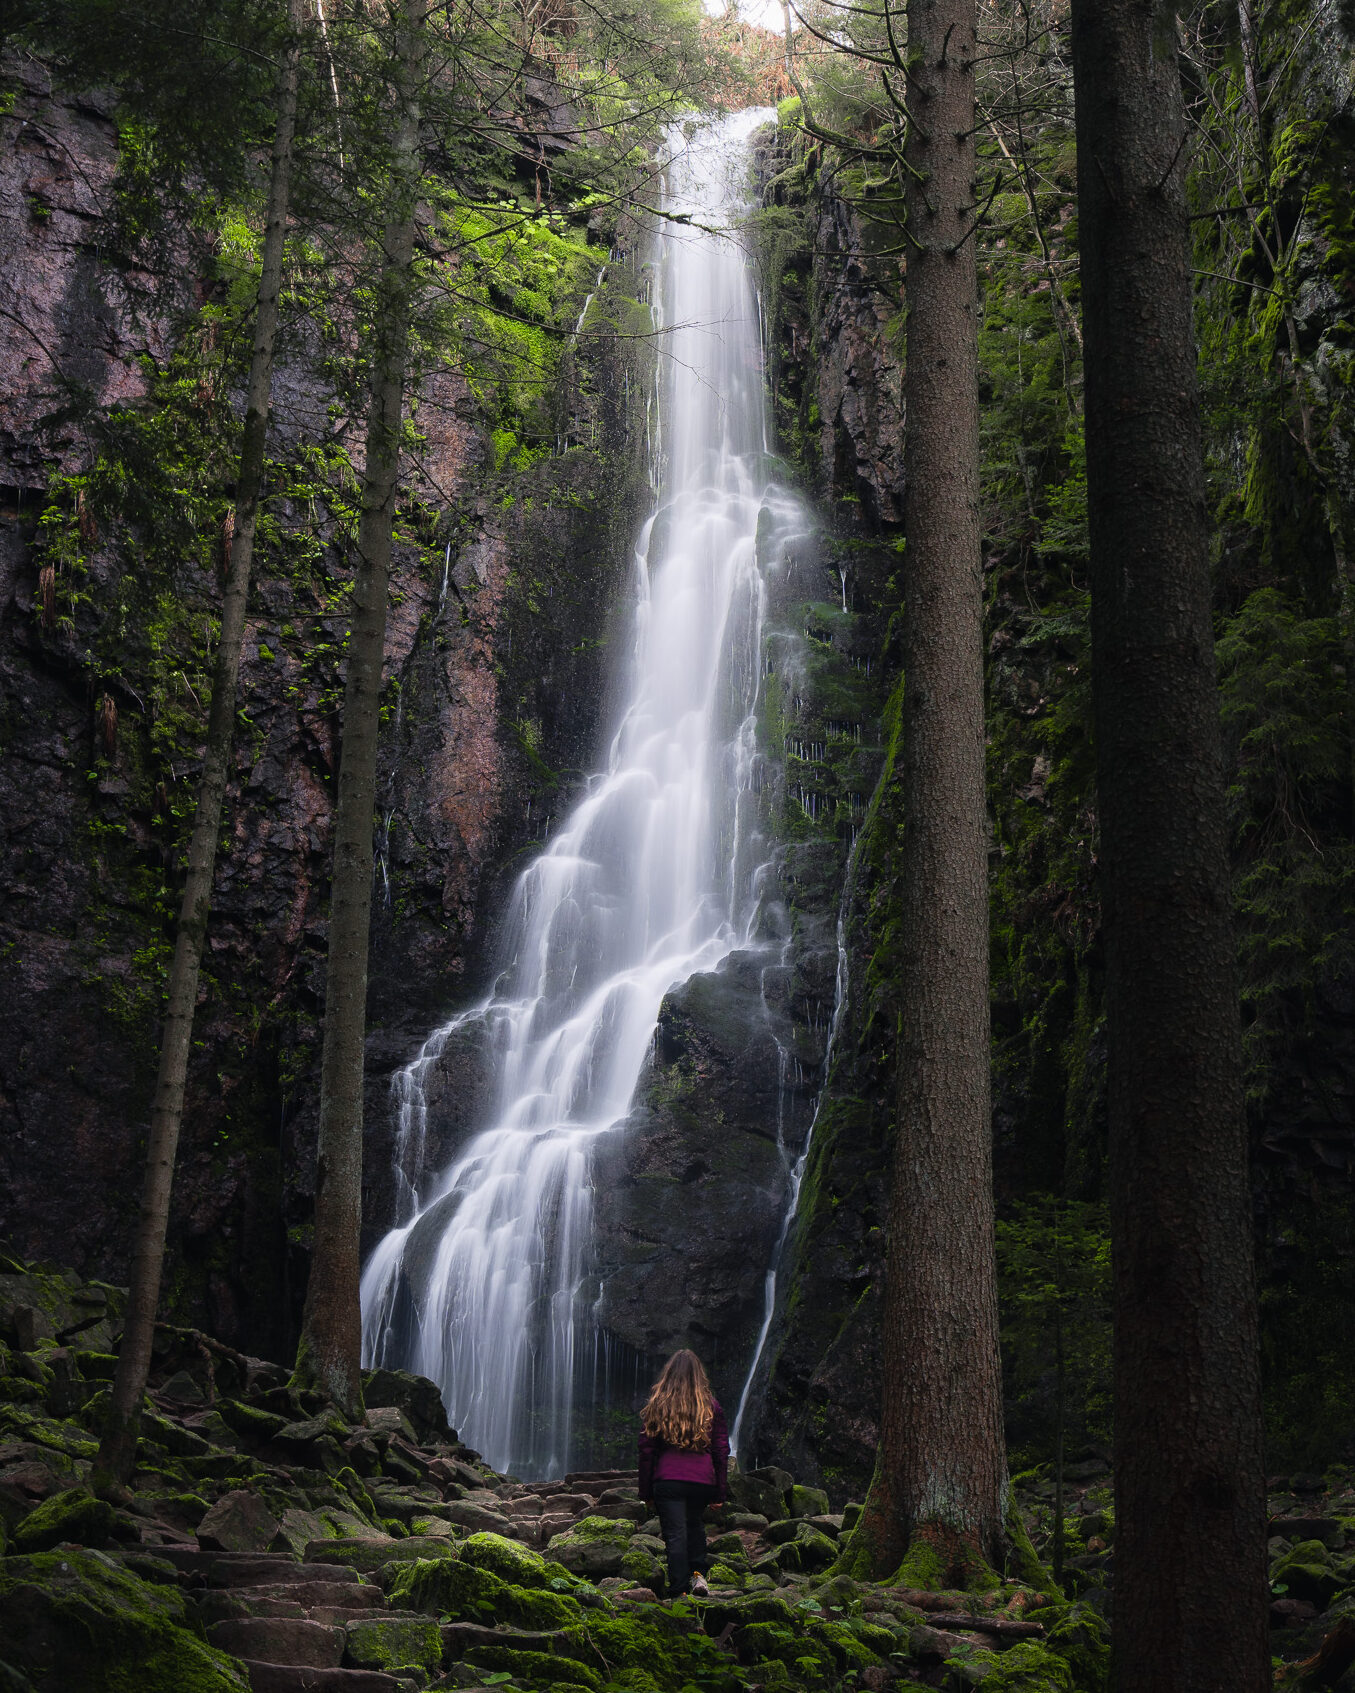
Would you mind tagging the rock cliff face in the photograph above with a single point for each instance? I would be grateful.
(495, 661)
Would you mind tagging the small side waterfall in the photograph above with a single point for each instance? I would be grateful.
(797, 1176)
(484, 1284)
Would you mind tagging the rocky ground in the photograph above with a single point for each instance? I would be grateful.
(270, 1544)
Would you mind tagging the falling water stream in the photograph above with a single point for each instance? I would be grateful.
(484, 1284)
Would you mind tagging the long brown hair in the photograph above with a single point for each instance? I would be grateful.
(680, 1410)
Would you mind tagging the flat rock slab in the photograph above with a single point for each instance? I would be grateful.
(371, 1554)
(224, 1607)
(280, 1640)
(277, 1572)
(297, 1678)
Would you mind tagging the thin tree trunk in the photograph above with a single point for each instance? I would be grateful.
(117, 1449)
(329, 1354)
(940, 1491)
(1190, 1587)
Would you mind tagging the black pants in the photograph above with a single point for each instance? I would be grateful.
(680, 1505)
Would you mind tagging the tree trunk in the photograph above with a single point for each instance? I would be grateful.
(1190, 1574)
(940, 1491)
(117, 1449)
(329, 1354)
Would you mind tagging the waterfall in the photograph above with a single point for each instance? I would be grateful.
(484, 1284)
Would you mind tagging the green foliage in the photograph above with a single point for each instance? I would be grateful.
(1054, 1290)
(1285, 707)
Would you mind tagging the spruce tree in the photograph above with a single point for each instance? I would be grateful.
(1190, 1574)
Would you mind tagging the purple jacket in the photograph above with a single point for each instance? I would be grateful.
(661, 1462)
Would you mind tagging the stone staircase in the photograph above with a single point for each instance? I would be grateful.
(299, 1627)
(308, 1626)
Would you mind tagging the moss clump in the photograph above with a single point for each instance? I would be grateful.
(459, 1590)
(541, 1667)
(76, 1619)
(1028, 1667)
(395, 1643)
(74, 1515)
(506, 1559)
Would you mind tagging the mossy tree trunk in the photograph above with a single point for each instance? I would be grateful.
(329, 1353)
(938, 1502)
(117, 1450)
(1190, 1573)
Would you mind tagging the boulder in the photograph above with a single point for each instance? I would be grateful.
(594, 1547)
(75, 1515)
(506, 1559)
(477, 1518)
(395, 1643)
(238, 1522)
(76, 1619)
(390, 1419)
(762, 1491)
(417, 1397)
(807, 1501)
(1307, 1573)
(297, 1530)
(469, 1593)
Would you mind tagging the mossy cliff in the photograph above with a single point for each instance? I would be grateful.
(524, 479)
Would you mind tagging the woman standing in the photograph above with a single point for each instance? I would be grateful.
(684, 1466)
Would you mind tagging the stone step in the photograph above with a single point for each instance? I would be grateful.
(213, 1606)
(294, 1641)
(302, 1678)
(277, 1572)
(352, 1596)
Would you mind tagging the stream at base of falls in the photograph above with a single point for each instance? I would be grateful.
(657, 874)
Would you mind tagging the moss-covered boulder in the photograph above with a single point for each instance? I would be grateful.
(807, 1501)
(810, 1550)
(1307, 1572)
(394, 1643)
(77, 1620)
(507, 1559)
(465, 1592)
(595, 1547)
(75, 1515)
(642, 1568)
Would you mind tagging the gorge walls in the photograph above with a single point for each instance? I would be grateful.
(506, 570)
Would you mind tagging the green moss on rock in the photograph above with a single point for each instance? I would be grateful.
(507, 1559)
(78, 1620)
(74, 1515)
(394, 1643)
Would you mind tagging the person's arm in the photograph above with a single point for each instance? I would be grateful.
(719, 1451)
(647, 1445)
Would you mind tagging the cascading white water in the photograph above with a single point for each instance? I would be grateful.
(653, 877)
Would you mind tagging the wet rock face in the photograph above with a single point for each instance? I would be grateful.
(495, 658)
(689, 1194)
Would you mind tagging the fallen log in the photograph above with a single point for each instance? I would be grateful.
(1004, 1627)
(1330, 1662)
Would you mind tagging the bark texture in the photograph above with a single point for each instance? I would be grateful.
(329, 1354)
(1190, 1574)
(117, 1452)
(940, 1488)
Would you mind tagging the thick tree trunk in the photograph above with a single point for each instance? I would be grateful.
(329, 1355)
(117, 1450)
(940, 1490)
(1190, 1592)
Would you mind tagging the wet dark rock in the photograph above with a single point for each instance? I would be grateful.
(238, 1522)
(415, 1396)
